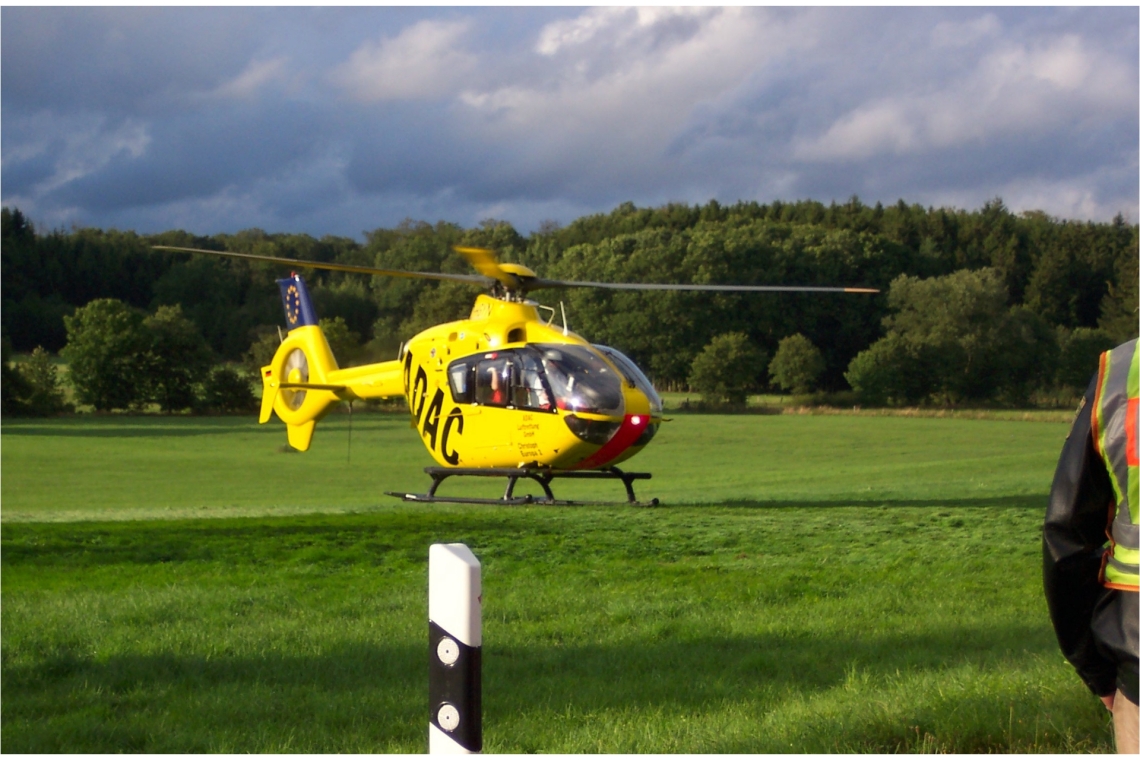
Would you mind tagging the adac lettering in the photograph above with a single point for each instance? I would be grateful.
(431, 420)
(407, 370)
(428, 421)
(419, 393)
(454, 417)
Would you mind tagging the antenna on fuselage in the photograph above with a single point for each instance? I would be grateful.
(565, 326)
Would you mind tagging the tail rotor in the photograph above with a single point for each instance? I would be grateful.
(296, 370)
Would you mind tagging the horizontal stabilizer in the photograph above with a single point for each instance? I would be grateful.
(315, 386)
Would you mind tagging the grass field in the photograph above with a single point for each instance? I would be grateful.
(811, 583)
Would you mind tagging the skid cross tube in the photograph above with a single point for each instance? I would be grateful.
(542, 476)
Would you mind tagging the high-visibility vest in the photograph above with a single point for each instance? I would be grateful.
(1114, 436)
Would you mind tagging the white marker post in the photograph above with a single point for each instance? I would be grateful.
(455, 638)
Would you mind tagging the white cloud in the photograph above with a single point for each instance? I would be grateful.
(576, 31)
(1083, 197)
(256, 76)
(621, 84)
(1087, 196)
(618, 27)
(424, 61)
(953, 34)
(882, 127)
(1015, 89)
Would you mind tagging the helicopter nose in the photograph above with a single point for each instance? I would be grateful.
(632, 426)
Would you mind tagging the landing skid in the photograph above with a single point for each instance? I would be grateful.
(541, 476)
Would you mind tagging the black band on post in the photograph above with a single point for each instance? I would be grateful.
(455, 688)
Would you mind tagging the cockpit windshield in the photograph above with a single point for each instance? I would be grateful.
(580, 380)
(633, 376)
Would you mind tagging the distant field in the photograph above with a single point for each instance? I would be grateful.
(813, 584)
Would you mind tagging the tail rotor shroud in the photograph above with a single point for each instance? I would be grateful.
(296, 370)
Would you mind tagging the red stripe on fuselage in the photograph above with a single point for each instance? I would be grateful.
(625, 437)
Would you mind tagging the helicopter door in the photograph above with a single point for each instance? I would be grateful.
(511, 379)
(528, 388)
(493, 379)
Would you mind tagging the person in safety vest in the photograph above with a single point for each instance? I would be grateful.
(1090, 541)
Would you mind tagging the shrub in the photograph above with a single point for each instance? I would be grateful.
(227, 390)
(44, 396)
(1080, 356)
(13, 387)
(266, 341)
(893, 372)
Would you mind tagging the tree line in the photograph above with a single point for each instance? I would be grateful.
(983, 305)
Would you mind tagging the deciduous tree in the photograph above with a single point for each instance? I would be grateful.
(952, 339)
(728, 369)
(175, 360)
(106, 343)
(797, 364)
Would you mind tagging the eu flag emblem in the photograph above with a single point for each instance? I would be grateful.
(299, 310)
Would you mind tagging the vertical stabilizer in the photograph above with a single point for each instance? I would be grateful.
(299, 311)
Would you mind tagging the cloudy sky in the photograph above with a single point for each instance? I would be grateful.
(340, 120)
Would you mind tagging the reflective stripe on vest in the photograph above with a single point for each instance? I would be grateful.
(1114, 436)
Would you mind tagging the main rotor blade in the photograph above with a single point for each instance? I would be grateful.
(476, 279)
(487, 264)
(539, 283)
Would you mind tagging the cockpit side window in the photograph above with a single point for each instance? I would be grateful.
(509, 378)
(459, 376)
(528, 388)
(493, 379)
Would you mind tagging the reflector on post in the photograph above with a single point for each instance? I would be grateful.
(455, 641)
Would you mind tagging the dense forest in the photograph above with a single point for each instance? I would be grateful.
(976, 292)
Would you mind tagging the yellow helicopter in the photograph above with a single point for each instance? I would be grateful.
(503, 393)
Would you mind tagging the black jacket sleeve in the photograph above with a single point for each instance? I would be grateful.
(1074, 538)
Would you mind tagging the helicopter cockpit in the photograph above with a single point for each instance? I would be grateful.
(540, 377)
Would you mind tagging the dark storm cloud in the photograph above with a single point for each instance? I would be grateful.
(118, 60)
(337, 120)
(204, 155)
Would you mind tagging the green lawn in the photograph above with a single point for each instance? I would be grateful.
(810, 584)
(155, 467)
